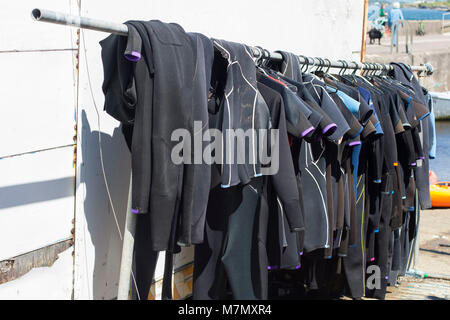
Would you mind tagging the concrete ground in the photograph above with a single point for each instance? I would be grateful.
(431, 48)
(434, 238)
(426, 43)
(434, 260)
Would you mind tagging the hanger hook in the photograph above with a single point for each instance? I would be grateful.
(356, 67)
(313, 64)
(320, 65)
(323, 65)
(346, 67)
(369, 68)
(304, 64)
(343, 68)
(340, 71)
(366, 69)
(375, 69)
(260, 55)
(329, 65)
(379, 67)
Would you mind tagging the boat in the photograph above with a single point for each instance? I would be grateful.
(440, 194)
(441, 105)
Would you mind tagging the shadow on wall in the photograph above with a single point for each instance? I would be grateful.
(22, 194)
(99, 216)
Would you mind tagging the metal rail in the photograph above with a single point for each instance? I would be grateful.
(121, 29)
(408, 35)
(443, 22)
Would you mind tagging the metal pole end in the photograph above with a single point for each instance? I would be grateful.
(430, 69)
(36, 14)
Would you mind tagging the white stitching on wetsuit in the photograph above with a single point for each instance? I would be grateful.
(323, 202)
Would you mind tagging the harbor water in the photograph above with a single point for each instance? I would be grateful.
(411, 13)
(423, 14)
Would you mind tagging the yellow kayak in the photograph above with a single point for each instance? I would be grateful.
(440, 194)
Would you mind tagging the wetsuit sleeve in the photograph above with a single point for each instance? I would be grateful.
(300, 127)
(125, 102)
(296, 112)
(353, 123)
(118, 81)
(331, 109)
(420, 110)
(133, 50)
(284, 180)
(365, 112)
(369, 129)
(326, 126)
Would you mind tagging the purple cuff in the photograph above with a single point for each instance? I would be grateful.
(423, 158)
(272, 267)
(135, 210)
(298, 267)
(372, 259)
(304, 133)
(354, 143)
(413, 164)
(134, 56)
(328, 127)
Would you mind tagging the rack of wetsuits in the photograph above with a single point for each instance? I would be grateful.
(319, 199)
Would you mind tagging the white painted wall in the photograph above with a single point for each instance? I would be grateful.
(37, 118)
(311, 27)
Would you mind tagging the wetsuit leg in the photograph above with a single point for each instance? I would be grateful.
(259, 262)
(354, 263)
(238, 252)
(383, 237)
(209, 273)
(144, 262)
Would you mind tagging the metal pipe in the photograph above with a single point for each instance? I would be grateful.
(121, 29)
(80, 22)
(126, 262)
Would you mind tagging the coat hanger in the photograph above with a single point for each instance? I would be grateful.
(344, 68)
(313, 65)
(329, 65)
(304, 64)
(366, 69)
(326, 73)
(361, 75)
(259, 60)
(319, 68)
(318, 65)
(356, 68)
(375, 69)
(349, 77)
